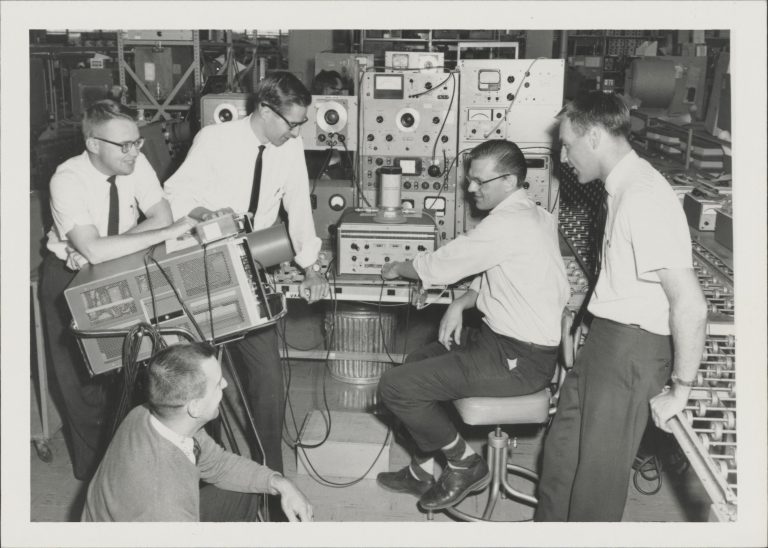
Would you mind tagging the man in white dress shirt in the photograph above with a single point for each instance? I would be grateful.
(649, 322)
(519, 285)
(253, 166)
(95, 202)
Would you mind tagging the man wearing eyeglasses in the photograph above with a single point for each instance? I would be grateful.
(519, 284)
(95, 203)
(253, 166)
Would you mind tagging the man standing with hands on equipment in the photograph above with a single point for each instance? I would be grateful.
(648, 308)
(255, 165)
(96, 198)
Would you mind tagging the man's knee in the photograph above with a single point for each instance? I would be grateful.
(387, 385)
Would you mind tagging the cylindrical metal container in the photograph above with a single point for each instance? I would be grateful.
(359, 328)
(390, 187)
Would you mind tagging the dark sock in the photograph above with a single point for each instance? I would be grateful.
(467, 462)
(419, 472)
(454, 454)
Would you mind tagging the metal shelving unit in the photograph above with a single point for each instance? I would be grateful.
(435, 40)
(603, 44)
(150, 102)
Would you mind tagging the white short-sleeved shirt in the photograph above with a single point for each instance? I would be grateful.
(521, 282)
(645, 231)
(80, 196)
(218, 173)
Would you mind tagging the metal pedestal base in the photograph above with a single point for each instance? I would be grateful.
(498, 447)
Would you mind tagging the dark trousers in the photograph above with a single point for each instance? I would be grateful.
(414, 390)
(86, 410)
(218, 505)
(600, 420)
(260, 367)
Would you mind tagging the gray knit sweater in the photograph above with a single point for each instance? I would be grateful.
(145, 477)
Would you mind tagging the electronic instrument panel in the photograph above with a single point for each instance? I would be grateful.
(408, 119)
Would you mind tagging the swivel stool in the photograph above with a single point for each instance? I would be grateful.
(534, 408)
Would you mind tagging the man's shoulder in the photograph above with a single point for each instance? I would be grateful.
(137, 419)
(70, 172)
(213, 132)
(72, 166)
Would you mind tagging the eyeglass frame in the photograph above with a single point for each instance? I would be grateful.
(126, 146)
(291, 125)
(481, 183)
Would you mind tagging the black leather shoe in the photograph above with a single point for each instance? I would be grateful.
(455, 484)
(403, 481)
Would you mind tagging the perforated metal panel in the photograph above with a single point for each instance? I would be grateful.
(193, 273)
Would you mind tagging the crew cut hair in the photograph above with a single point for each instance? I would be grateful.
(102, 112)
(596, 108)
(507, 155)
(280, 89)
(175, 377)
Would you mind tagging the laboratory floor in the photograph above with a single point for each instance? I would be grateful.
(57, 496)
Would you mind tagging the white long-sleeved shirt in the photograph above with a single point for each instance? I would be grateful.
(521, 282)
(218, 173)
(645, 231)
(80, 196)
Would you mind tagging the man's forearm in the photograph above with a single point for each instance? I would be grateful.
(112, 247)
(468, 300)
(688, 325)
(158, 216)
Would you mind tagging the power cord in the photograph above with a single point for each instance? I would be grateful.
(325, 412)
(649, 469)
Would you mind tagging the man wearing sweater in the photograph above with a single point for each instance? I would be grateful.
(160, 453)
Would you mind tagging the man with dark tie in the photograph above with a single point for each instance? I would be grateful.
(252, 166)
(95, 203)
(160, 453)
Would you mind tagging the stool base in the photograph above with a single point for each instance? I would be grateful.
(498, 445)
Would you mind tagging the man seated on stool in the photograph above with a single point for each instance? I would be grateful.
(152, 469)
(520, 285)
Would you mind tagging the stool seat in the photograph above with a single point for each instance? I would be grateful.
(528, 409)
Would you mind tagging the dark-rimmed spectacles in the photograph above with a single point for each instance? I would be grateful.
(125, 147)
(291, 125)
(481, 183)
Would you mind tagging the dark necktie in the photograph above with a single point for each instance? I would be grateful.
(597, 254)
(196, 449)
(254, 204)
(602, 216)
(113, 226)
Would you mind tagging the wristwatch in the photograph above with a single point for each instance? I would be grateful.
(677, 380)
(315, 267)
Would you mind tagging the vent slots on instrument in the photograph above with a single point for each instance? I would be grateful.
(409, 120)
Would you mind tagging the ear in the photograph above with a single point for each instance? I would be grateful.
(510, 183)
(193, 408)
(594, 136)
(92, 145)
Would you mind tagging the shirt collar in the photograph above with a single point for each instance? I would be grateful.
(94, 173)
(620, 173)
(182, 442)
(519, 195)
(253, 136)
